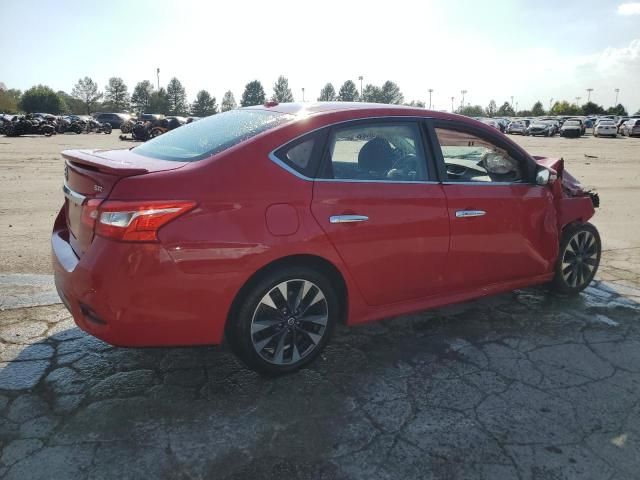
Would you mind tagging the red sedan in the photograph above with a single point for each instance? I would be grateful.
(268, 225)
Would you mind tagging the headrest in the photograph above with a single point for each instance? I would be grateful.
(376, 156)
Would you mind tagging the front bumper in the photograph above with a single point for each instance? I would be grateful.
(134, 294)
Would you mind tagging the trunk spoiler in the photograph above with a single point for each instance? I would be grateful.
(110, 162)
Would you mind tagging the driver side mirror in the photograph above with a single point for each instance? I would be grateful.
(545, 176)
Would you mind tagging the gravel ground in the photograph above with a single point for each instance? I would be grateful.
(523, 385)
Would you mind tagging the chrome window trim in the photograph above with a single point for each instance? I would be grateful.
(272, 154)
(489, 183)
(355, 180)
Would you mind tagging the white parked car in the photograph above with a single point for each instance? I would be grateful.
(491, 123)
(605, 128)
(517, 127)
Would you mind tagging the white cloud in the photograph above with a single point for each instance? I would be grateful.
(631, 8)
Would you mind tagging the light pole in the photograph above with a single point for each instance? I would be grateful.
(158, 75)
(511, 102)
(617, 90)
(550, 102)
(463, 92)
(578, 101)
(589, 90)
(430, 92)
(516, 110)
(360, 78)
(303, 94)
(452, 99)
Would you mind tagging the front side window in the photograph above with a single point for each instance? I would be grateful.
(211, 135)
(376, 152)
(469, 158)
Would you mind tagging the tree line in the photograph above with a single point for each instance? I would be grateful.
(561, 107)
(86, 97)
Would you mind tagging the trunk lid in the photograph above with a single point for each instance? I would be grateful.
(89, 178)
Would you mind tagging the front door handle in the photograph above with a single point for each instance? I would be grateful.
(348, 218)
(470, 213)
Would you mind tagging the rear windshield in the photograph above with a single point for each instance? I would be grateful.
(211, 135)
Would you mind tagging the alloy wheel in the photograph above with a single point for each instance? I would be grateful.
(579, 259)
(289, 322)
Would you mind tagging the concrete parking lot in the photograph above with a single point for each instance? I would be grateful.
(523, 385)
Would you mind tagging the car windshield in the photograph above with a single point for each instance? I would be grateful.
(606, 122)
(211, 135)
(572, 123)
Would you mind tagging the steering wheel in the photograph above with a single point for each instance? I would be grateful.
(455, 171)
(405, 167)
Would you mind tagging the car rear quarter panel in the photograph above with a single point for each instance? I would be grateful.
(250, 212)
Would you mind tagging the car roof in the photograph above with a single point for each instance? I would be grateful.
(359, 110)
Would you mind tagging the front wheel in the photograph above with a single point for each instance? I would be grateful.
(578, 259)
(284, 320)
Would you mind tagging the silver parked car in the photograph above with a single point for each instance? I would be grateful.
(631, 127)
(517, 127)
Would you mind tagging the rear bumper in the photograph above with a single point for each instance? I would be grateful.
(135, 295)
(571, 133)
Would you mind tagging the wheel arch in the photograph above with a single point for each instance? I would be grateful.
(314, 262)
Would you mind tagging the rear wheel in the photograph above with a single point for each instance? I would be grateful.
(578, 259)
(156, 131)
(284, 320)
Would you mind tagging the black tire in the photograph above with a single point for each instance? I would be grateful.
(282, 326)
(575, 271)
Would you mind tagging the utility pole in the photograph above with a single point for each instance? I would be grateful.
(303, 94)
(617, 90)
(430, 92)
(550, 102)
(158, 75)
(360, 78)
(463, 92)
(511, 102)
(589, 90)
(452, 99)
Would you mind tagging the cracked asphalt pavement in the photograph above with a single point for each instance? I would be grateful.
(524, 385)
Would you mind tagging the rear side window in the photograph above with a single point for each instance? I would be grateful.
(211, 135)
(302, 154)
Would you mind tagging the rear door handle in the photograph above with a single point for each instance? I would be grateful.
(348, 218)
(470, 213)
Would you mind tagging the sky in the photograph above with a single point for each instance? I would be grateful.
(531, 50)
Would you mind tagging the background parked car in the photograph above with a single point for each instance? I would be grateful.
(571, 128)
(113, 119)
(150, 117)
(620, 122)
(605, 127)
(631, 127)
(541, 127)
(491, 122)
(518, 127)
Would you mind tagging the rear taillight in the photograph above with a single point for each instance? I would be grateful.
(137, 221)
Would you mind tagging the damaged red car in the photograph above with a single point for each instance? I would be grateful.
(267, 226)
